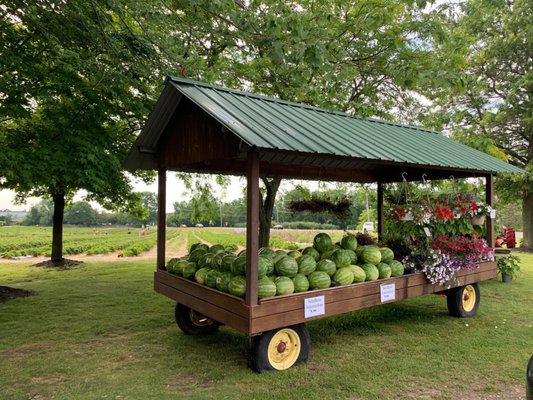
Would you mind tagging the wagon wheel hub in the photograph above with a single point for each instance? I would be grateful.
(282, 346)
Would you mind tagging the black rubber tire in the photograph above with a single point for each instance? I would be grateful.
(194, 323)
(259, 361)
(454, 299)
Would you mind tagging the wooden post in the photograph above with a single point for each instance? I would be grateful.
(489, 199)
(380, 211)
(252, 227)
(161, 217)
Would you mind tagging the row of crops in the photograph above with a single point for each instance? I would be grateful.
(36, 241)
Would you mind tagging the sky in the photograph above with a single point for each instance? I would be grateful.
(175, 192)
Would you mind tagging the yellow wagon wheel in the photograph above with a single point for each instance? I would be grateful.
(463, 301)
(280, 349)
(192, 322)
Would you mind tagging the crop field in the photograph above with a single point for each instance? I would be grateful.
(99, 331)
(20, 241)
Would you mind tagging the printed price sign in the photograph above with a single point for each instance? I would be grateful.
(492, 214)
(427, 232)
(314, 306)
(388, 292)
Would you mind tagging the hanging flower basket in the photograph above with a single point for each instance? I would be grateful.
(477, 220)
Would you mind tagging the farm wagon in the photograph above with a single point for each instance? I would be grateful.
(196, 127)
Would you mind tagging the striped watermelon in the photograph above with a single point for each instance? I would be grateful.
(396, 268)
(199, 276)
(371, 272)
(384, 270)
(264, 266)
(237, 286)
(306, 264)
(341, 258)
(322, 242)
(265, 288)
(189, 271)
(370, 255)
(223, 279)
(349, 242)
(287, 266)
(284, 285)
(211, 278)
(238, 266)
(343, 276)
(387, 255)
(326, 266)
(359, 274)
(227, 260)
(195, 255)
(311, 251)
(294, 254)
(216, 248)
(319, 280)
(301, 283)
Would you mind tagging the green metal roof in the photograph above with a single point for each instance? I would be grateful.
(273, 124)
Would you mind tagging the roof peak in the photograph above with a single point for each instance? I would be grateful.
(290, 103)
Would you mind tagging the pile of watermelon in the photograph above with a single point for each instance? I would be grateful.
(281, 273)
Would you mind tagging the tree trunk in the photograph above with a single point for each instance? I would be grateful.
(527, 218)
(57, 230)
(266, 207)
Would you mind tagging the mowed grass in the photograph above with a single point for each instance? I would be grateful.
(100, 331)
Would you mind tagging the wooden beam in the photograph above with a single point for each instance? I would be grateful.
(161, 217)
(252, 227)
(489, 199)
(380, 211)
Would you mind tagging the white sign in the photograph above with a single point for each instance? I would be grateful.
(388, 292)
(314, 306)
(427, 232)
(492, 214)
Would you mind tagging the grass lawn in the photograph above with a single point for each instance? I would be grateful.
(98, 331)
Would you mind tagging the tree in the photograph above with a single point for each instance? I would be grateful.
(81, 213)
(486, 49)
(149, 202)
(362, 57)
(40, 214)
(74, 82)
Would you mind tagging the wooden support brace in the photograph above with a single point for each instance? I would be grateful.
(252, 227)
(161, 217)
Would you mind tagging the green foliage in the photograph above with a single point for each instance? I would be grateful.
(509, 265)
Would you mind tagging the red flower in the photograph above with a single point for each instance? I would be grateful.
(460, 198)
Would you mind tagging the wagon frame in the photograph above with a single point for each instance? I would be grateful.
(196, 127)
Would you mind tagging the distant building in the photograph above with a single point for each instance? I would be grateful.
(13, 214)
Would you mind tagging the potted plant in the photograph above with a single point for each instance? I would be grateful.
(508, 267)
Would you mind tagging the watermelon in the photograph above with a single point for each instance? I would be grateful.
(196, 254)
(306, 264)
(189, 271)
(216, 248)
(199, 276)
(211, 278)
(265, 288)
(238, 266)
(278, 257)
(359, 274)
(343, 276)
(196, 246)
(359, 250)
(387, 255)
(284, 285)
(264, 266)
(319, 280)
(205, 260)
(341, 258)
(328, 253)
(217, 260)
(384, 270)
(349, 242)
(322, 242)
(231, 248)
(396, 268)
(371, 272)
(237, 286)
(287, 266)
(353, 256)
(294, 254)
(227, 260)
(311, 251)
(370, 255)
(267, 252)
(222, 281)
(326, 266)
(178, 268)
(301, 283)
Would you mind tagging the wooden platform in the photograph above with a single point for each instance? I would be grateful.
(281, 311)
